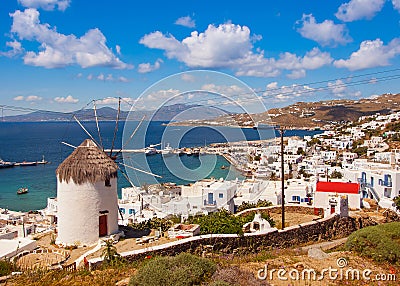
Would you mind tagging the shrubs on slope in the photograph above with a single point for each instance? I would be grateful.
(184, 269)
(380, 242)
(6, 267)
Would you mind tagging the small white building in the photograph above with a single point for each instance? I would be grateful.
(349, 157)
(181, 230)
(258, 225)
(328, 194)
(87, 196)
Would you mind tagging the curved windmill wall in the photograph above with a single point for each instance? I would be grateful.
(79, 208)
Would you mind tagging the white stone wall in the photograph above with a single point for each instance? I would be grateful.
(78, 211)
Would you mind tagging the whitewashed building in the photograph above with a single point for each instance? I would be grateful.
(328, 195)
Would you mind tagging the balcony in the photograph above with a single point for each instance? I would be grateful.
(210, 203)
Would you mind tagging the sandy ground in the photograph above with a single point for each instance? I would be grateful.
(130, 244)
(40, 260)
(293, 218)
(44, 242)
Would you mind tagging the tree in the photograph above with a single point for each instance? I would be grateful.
(397, 202)
(221, 221)
(109, 253)
(336, 175)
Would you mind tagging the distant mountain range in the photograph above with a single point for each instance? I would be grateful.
(176, 112)
(300, 114)
(309, 114)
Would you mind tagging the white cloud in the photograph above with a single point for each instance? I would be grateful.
(284, 93)
(396, 4)
(338, 88)
(16, 49)
(118, 49)
(186, 21)
(371, 54)
(325, 33)
(231, 46)
(47, 5)
(123, 79)
(109, 78)
(227, 90)
(162, 95)
(68, 99)
(33, 98)
(27, 98)
(59, 50)
(188, 77)
(148, 67)
(272, 85)
(18, 98)
(373, 80)
(359, 9)
(114, 100)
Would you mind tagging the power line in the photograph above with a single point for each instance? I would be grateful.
(271, 93)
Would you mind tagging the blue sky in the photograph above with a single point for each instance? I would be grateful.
(61, 54)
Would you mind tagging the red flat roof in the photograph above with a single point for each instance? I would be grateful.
(338, 187)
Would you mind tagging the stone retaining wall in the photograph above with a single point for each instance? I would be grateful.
(324, 229)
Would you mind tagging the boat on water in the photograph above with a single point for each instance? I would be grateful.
(31, 163)
(43, 162)
(223, 167)
(25, 163)
(150, 151)
(22, 191)
(259, 126)
(4, 164)
(167, 151)
(196, 152)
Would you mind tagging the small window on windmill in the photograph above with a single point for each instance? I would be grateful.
(107, 182)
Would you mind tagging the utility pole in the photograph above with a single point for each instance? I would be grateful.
(282, 131)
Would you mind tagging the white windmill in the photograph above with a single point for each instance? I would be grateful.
(87, 189)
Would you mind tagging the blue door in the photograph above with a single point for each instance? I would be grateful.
(210, 198)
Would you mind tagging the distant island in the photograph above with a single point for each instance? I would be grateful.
(165, 113)
(308, 115)
(298, 115)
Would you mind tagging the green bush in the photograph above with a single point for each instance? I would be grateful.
(184, 269)
(380, 242)
(221, 221)
(6, 267)
(154, 223)
(259, 204)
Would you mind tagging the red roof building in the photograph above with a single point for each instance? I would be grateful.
(338, 187)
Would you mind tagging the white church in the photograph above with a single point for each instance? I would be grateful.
(87, 196)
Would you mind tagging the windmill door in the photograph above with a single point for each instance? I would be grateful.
(103, 225)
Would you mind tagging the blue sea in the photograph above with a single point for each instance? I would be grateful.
(26, 141)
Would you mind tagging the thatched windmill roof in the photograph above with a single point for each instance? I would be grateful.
(87, 164)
